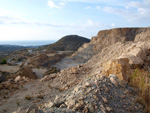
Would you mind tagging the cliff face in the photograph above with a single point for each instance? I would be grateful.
(106, 38)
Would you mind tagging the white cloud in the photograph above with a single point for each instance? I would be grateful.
(95, 25)
(90, 22)
(7, 20)
(132, 11)
(35, 30)
(62, 4)
(98, 7)
(141, 11)
(113, 25)
(88, 7)
(54, 5)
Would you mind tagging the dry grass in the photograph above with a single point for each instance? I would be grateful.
(141, 80)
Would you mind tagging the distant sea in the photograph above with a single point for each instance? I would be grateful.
(27, 43)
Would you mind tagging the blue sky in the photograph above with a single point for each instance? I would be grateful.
(53, 19)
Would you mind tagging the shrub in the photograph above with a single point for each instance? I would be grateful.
(3, 61)
(141, 80)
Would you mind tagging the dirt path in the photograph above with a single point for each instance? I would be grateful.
(9, 69)
(66, 63)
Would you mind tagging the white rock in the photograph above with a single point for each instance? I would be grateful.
(76, 89)
(18, 78)
(50, 104)
(87, 84)
(114, 81)
(111, 75)
(105, 100)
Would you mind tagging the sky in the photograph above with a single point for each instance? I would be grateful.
(53, 19)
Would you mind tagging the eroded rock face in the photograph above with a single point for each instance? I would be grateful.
(84, 53)
(106, 38)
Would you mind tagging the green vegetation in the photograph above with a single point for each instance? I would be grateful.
(3, 61)
(141, 80)
(21, 59)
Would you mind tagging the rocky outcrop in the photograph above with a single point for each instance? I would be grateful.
(106, 38)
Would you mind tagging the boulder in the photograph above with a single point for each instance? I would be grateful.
(119, 67)
(113, 80)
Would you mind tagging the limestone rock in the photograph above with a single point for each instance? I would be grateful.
(70, 102)
(114, 81)
(87, 84)
(50, 104)
(105, 100)
(119, 67)
(18, 78)
(107, 38)
(108, 109)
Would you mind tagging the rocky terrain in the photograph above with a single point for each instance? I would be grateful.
(101, 85)
(106, 38)
(36, 63)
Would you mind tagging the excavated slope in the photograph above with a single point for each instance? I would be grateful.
(106, 38)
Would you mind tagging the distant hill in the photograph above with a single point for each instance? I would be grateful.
(9, 48)
(67, 43)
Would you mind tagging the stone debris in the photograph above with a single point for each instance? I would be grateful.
(96, 99)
